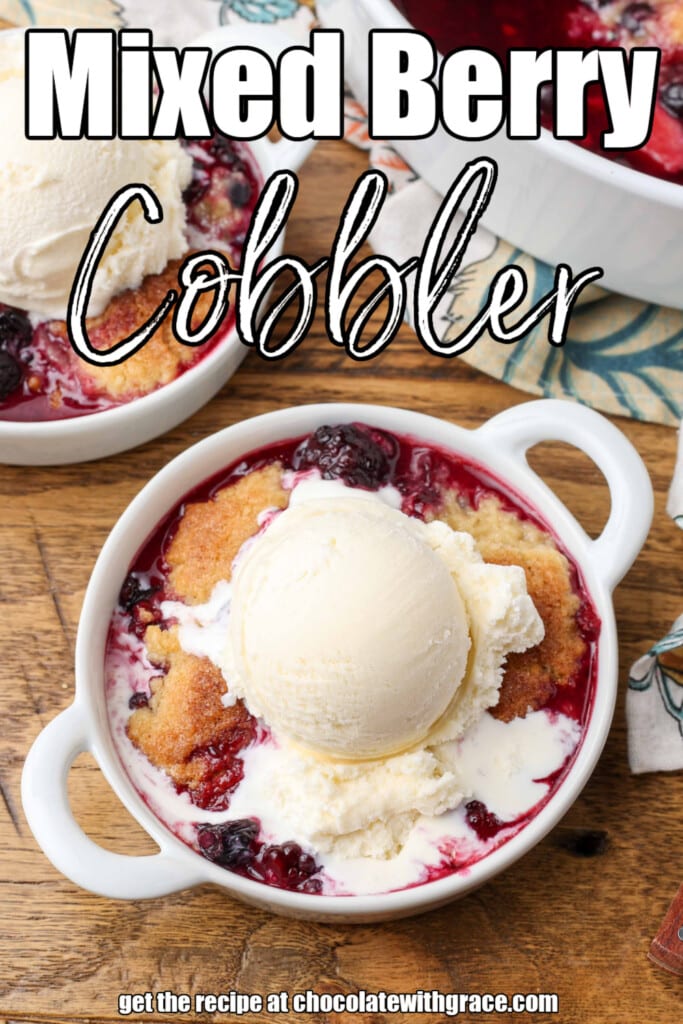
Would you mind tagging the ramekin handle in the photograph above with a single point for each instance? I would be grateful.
(282, 154)
(518, 429)
(46, 805)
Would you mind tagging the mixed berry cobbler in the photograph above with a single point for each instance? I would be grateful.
(189, 751)
(501, 25)
(42, 378)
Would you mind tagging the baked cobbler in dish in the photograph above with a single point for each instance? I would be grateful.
(42, 377)
(275, 664)
(502, 25)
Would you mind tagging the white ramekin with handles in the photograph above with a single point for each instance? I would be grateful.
(554, 200)
(500, 445)
(98, 435)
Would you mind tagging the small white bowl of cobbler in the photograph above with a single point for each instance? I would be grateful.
(346, 662)
(55, 405)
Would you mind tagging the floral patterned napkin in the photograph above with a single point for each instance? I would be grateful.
(622, 356)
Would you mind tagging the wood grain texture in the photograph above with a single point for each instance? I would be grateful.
(575, 916)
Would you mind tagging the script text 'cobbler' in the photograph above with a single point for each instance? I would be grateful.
(349, 317)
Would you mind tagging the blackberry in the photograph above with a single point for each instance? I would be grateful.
(132, 593)
(224, 152)
(671, 97)
(231, 844)
(633, 16)
(15, 329)
(239, 192)
(358, 456)
(196, 190)
(10, 375)
(138, 700)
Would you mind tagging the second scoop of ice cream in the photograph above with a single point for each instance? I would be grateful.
(349, 633)
(52, 192)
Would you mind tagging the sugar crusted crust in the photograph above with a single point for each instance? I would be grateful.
(211, 533)
(159, 361)
(531, 677)
(186, 712)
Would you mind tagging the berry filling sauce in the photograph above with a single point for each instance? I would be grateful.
(502, 25)
(202, 803)
(41, 377)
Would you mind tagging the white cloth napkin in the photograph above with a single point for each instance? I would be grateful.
(675, 503)
(654, 703)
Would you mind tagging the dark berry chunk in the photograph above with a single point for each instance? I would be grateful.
(138, 700)
(222, 769)
(224, 152)
(588, 621)
(132, 592)
(196, 190)
(287, 867)
(672, 98)
(312, 885)
(15, 328)
(235, 845)
(481, 820)
(358, 456)
(231, 844)
(547, 97)
(633, 16)
(424, 482)
(239, 192)
(213, 792)
(10, 375)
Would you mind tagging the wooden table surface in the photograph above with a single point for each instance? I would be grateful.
(575, 916)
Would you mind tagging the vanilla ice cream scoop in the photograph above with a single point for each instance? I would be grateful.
(52, 193)
(348, 632)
